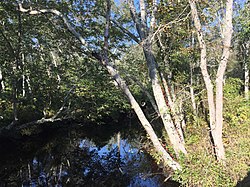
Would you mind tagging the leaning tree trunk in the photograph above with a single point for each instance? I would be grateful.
(177, 115)
(171, 99)
(145, 33)
(147, 126)
(176, 140)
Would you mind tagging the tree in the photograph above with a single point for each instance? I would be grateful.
(145, 32)
(215, 103)
(243, 34)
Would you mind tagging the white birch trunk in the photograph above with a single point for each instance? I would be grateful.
(227, 36)
(173, 108)
(23, 76)
(1, 81)
(215, 107)
(175, 138)
(246, 72)
(145, 123)
(172, 132)
(28, 84)
(246, 81)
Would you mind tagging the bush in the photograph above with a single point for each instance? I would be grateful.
(200, 167)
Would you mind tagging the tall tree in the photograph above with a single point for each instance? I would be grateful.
(146, 34)
(215, 102)
(243, 35)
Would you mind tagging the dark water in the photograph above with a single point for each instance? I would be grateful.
(109, 155)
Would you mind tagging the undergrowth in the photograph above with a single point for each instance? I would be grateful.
(200, 167)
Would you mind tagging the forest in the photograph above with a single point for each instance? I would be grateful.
(179, 70)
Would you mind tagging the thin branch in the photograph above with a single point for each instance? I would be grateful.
(59, 14)
(130, 34)
(136, 19)
(176, 20)
(11, 48)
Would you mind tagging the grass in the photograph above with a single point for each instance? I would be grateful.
(200, 167)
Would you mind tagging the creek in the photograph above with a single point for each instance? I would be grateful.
(81, 155)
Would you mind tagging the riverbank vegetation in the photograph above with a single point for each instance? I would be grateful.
(181, 65)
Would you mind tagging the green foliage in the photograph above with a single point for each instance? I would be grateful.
(236, 110)
(232, 88)
(200, 167)
(53, 63)
(45, 67)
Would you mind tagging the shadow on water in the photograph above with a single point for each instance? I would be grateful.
(109, 155)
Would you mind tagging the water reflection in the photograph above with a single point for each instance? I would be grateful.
(79, 157)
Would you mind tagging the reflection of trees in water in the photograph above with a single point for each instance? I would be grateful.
(65, 158)
(88, 167)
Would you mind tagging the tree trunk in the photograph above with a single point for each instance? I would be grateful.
(215, 108)
(227, 36)
(142, 118)
(203, 67)
(147, 126)
(172, 132)
(173, 109)
(170, 95)
(246, 71)
(1, 81)
(175, 139)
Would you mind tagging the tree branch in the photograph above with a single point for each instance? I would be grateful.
(136, 19)
(59, 14)
(131, 35)
(12, 50)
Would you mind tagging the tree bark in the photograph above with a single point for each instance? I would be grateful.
(173, 109)
(170, 95)
(246, 71)
(1, 81)
(227, 36)
(147, 126)
(173, 134)
(215, 107)
(174, 137)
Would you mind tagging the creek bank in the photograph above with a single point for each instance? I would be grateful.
(16, 130)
